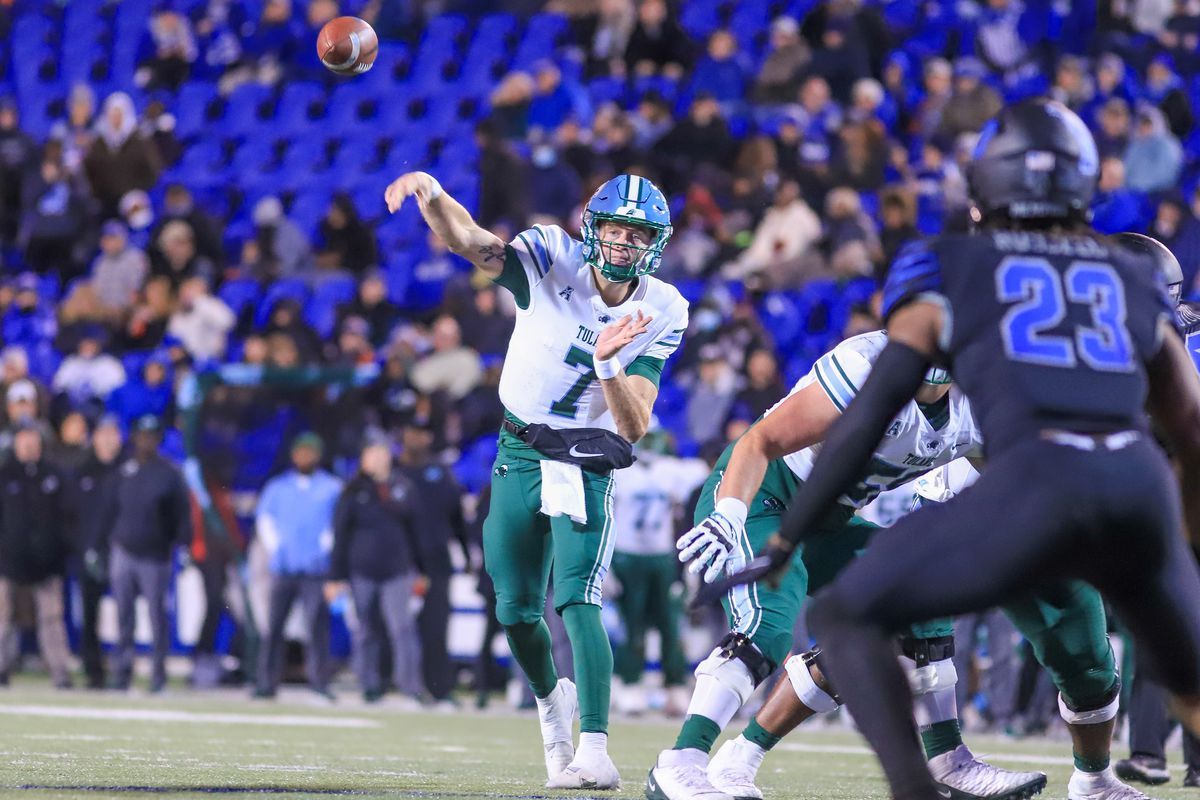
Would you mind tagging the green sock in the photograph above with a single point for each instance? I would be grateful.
(941, 737)
(593, 665)
(697, 733)
(532, 648)
(1093, 764)
(759, 735)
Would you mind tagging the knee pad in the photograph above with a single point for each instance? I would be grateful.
(736, 664)
(1091, 713)
(817, 697)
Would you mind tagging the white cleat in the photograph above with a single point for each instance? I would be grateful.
(734, 768)
(961, 776)
(557, 718)
(588, 771)
(681, 775)
(1101, 786)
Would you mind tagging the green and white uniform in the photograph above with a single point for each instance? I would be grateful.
(543, 514)
(548, 378)
(918, 440)
(646, 496)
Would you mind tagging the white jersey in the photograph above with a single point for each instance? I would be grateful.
(645, 497)
(548, 375)
(912, 445)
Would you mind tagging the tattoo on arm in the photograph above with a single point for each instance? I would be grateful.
(492, 253)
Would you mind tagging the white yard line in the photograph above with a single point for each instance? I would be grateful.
(154, 715)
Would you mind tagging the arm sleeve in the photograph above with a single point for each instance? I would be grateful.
(853, 438)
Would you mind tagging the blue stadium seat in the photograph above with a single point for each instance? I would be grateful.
(291, 114)
(282, 289)
(781, 317)
(330, 292)
(191, 107)
(241, 110)
(239, 293)
(474, 467)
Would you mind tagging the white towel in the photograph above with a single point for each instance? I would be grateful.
(562, 491)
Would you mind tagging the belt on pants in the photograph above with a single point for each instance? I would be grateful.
(1091, 441)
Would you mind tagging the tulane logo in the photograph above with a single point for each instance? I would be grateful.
(566, 293)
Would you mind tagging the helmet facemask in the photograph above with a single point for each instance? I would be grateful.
(646, 258)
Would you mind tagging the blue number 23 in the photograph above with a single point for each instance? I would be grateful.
(1040, 296)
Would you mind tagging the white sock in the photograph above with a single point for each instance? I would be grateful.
(592, 744)
(753, 752)
(714, 700)
(547, 702)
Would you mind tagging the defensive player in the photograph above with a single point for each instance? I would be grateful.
(593, 331)
(1058, 337)
(646, 497)
(740, 509)
(1149, 725)
(1067, 628)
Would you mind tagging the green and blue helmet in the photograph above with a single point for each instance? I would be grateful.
(632, 200)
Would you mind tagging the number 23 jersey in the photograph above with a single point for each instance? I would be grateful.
(1040, 330)
(548, 375)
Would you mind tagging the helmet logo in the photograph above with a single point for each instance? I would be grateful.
(1039, 161)
(631, 211)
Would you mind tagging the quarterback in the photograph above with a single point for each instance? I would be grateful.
(593, 331)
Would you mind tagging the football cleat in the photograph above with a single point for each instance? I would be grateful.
(1101, 786)
(734, 767)
(587, 771)
(557, 719)
(1143, 769)
(961, 776)
(681, 775)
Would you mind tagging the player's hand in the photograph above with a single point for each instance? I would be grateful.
(711, 546)
(769, 566)
(621, 333)
(404, 187)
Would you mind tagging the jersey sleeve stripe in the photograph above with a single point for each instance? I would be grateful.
(534, 252)
(829, 391)
(837, 364)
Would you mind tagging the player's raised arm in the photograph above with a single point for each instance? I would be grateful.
(1175, 404)
(449, 220)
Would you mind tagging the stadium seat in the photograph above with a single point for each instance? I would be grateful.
(282, 289)
(239, 293)
(191, 108)
(241, 116)
(330, 292)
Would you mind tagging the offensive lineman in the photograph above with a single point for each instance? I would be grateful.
(594, 329)
(1058, 337)
(740, 509)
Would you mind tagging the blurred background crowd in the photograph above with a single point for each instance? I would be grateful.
(197, 259)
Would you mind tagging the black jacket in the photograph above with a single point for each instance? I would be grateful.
(439, 511)
(33, 521)
(90, 488)
(374, 532)
(147, 510)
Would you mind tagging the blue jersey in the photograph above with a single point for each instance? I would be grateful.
(1040, 330)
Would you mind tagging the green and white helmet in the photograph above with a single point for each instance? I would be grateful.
(633, 200)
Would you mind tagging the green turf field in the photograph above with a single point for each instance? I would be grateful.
(85, 744)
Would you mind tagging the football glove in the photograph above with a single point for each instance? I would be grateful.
(711, 546)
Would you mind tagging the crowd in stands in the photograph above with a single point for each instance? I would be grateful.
(182, 185)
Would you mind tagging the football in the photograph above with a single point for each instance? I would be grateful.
(347, 45)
